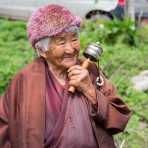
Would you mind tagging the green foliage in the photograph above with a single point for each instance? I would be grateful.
(111, 32)
(125, 55)
(15, 51)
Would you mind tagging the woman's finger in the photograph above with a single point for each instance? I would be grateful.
(74, 72)
(78, 67)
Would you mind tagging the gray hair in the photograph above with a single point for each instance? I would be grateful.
(73, 29)
(42, 45)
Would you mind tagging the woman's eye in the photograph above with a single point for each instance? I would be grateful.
(74, 39)
(61, 43)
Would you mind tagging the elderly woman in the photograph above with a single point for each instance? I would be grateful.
(37, 109)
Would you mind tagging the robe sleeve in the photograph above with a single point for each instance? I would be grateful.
(110, 112)
(4, 140)
(4, 114)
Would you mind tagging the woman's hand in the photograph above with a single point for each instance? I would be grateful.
(80, 79)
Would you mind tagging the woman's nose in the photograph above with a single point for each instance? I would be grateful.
(69, 48)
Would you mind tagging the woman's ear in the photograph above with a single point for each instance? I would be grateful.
(41, 53)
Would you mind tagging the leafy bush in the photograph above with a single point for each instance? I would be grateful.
(15, 52)
(112, 32)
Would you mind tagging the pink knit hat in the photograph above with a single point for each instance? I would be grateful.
(49, 21)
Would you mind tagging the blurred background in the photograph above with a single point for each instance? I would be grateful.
(121, 27)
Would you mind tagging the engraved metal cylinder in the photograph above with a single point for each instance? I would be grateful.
(93, 51)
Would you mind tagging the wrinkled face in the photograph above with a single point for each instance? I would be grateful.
(63, 50)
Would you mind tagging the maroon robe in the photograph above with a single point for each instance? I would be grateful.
(68, 122)
(22, 111)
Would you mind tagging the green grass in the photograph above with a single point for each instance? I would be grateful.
(15, 52)
(125, 55)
